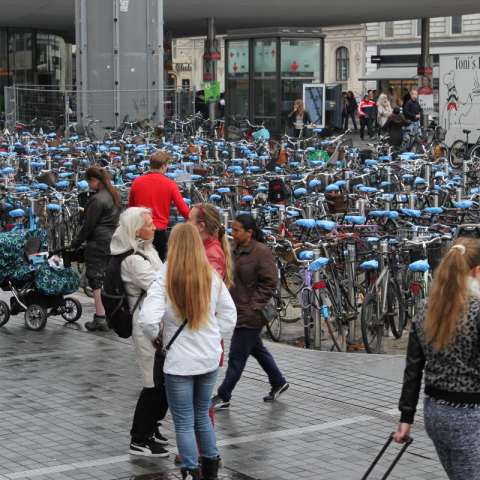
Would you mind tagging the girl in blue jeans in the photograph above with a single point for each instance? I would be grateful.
(189, 308)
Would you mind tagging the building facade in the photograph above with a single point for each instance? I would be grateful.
(345, 56)
(396, 48)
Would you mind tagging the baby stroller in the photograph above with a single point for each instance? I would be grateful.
(38, 289)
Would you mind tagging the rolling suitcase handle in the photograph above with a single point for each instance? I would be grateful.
(395, 461)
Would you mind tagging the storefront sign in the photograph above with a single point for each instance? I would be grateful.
(459, 94)
(376, 59)
(212, 92)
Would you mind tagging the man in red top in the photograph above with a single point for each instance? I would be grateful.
(157, 192)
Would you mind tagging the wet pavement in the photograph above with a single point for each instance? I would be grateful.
(68, 397)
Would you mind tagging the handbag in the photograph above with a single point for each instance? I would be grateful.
(161, 355)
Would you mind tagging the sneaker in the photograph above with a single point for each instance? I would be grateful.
(150, 449)
(218, 403)
(158, 437)
(97, 324)
(276, 392)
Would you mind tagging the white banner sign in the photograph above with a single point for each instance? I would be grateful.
(460, 95)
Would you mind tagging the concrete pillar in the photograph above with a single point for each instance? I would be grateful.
(119, 60)
(211, 37)
(425, 62)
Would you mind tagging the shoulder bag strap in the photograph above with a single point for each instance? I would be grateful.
(177, 333)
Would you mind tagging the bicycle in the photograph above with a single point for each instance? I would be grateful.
(461, 151)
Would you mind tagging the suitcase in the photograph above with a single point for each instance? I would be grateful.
(395, 460)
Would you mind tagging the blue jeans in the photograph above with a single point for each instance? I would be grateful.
(189, 401)
(246, 342)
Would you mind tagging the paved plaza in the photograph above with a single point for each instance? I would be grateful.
(68, 397)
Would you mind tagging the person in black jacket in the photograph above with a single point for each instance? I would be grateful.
(412, 109)
(100, 221)
(352, 107)
(444, 343)
(394, 127)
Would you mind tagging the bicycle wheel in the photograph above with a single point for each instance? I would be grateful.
(457, 153)
(337, 333)
(396, 310)
(475, 157)
(274, 327)
(372, 326)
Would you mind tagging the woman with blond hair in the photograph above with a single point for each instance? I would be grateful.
(299, 118)
(445, 344)
(132, 244)
(384, 110)
(188, 309)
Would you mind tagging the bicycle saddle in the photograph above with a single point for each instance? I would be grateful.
(21, 189)
(318, 264)
(224, 190)
(369, 265)
(355, 219)
(419, 266)
(341, 183)
(391, 214)
(410, 212)
(214, 197)
(188, 201)
(253, 169)
(298, 192)
(332, 188)
(262, 189)
(327, 225)
(306, 255)
(385, 158)
(371, 163)
(293, 213)
(17, 213)
(247, 198)
(53, 207)
(467, 132)
(365, 189)
(433, 210)
(463, 205)
(306, 223)
(475, 190)
(42, 186)
(314, 183)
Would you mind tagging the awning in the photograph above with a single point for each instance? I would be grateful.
(395, 73)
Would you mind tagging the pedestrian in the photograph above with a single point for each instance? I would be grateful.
(384, 110)
(365, 114)
(255, 281)
(352, 107)
(344, 110)
(100, 221)
(393, 98)
(444, 344)
(299, 118)
(394, 126)
(412, 109)
(135, 233)
(207, 219)
(191, 305)
(157, 192)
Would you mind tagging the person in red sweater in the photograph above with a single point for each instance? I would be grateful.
(157, 192)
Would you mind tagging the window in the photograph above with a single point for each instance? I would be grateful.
(456, 24)
(419, 27)
(186, 83)
(343, 64)
(389, 29)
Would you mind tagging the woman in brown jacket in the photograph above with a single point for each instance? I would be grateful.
(254, 284)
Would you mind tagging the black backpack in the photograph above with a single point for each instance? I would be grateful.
(277, 191)
(114, 297)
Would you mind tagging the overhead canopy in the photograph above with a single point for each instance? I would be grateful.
(186, 17)
(395, 73)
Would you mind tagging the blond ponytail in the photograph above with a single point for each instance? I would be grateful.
(448, 298)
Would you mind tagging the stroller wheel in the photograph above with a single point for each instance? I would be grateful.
(71, 310)
(4, 313)
(35, 317)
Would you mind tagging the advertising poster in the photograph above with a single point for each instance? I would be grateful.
(460, 95)
(314, 100)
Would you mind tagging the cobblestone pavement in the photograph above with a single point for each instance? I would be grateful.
(68, 396)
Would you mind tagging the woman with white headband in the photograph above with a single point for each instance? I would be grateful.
(445, 344)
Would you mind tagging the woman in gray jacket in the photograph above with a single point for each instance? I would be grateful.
(135, 234)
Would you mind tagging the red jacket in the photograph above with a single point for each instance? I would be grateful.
(215, 255)
(365, 109)
(157, 192)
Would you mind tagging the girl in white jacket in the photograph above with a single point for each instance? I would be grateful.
(135, 234)
(187, 289)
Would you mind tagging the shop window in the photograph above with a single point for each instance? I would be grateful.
(343, 64)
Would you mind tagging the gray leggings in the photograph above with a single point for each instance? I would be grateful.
(455, 433)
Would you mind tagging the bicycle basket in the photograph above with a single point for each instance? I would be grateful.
(414, 233)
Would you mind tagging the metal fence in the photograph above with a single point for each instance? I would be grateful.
(50, 108)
